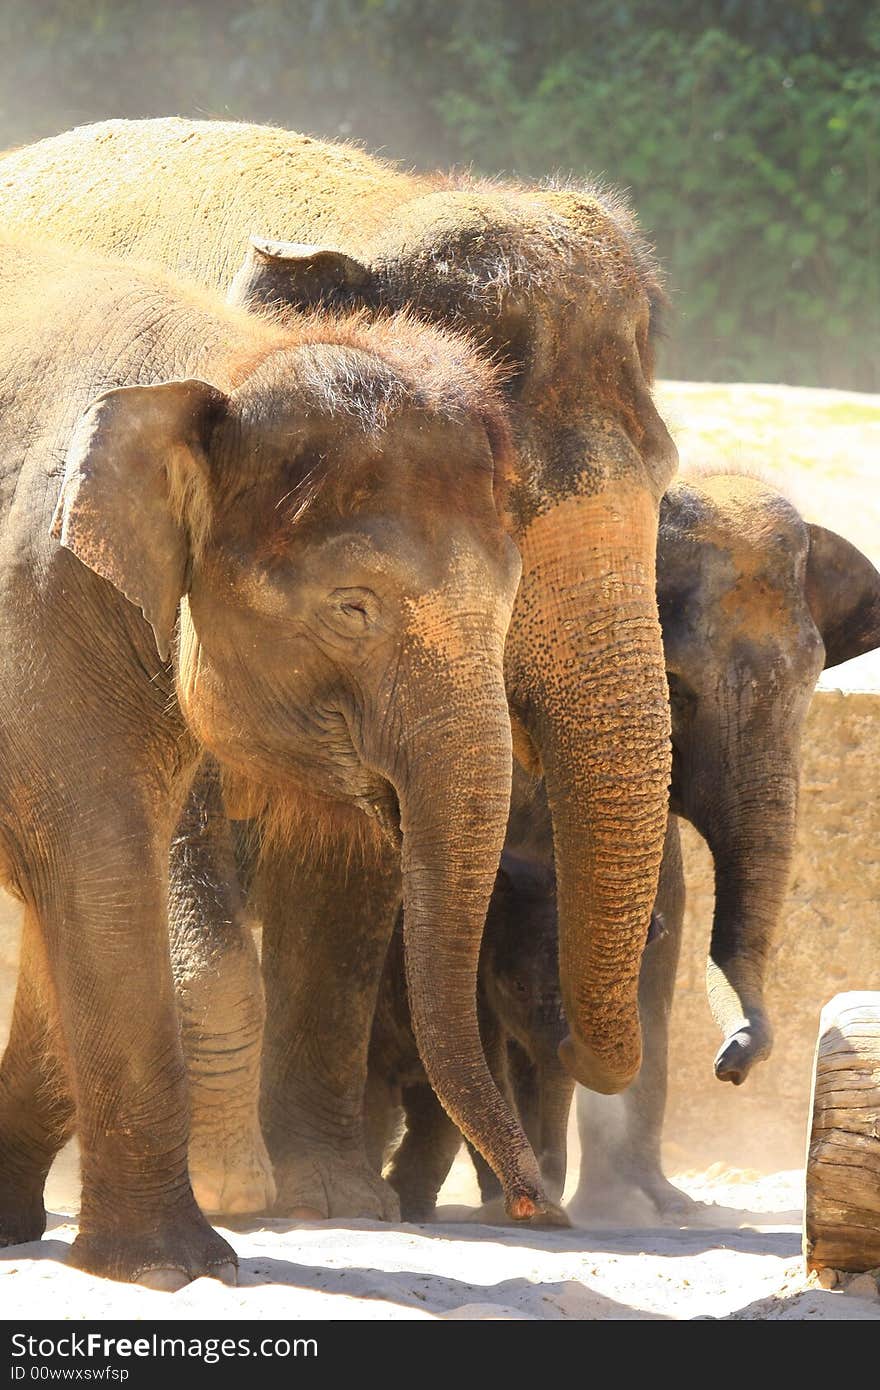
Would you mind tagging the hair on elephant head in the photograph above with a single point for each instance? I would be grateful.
(754, 601)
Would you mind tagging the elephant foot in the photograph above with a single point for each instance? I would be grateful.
(740, 1051)
(636, 1201)
(545, 1216)
(179, 1248)
(317, 1186)
(613, 1204)
(22, 1215)
(670, 1202)
(231, 1173)
(417, 1210)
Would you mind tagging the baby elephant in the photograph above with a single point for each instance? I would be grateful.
(521, 1023)
(519, 1003)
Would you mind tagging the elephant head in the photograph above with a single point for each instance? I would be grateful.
(329, 530)
(559, 285)
(753, 603)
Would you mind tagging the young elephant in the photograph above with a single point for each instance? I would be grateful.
(521, 1023)
(276, 490)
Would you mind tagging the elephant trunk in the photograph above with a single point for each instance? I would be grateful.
(586, 667)
(453, 781)
(751, 836)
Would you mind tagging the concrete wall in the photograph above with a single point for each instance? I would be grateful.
(829, 941)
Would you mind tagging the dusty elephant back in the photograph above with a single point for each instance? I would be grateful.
(189, 194)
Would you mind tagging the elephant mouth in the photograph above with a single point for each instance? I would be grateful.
(383, 808)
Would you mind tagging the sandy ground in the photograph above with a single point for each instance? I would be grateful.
(743, 1263)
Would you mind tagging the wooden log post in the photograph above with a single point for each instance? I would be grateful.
(842, 1203)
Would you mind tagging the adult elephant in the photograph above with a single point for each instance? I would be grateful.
(557, 282)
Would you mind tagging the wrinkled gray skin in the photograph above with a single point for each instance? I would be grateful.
(323, 639)
(521, 1024)
(754, 602)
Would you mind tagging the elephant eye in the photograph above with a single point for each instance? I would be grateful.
(358, 608)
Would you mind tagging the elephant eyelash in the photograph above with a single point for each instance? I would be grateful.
(351, 608)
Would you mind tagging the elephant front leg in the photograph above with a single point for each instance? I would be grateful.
(36, 1108)
(543, 1092)
(219, 990)
(104, 922)
(326, 929)
(425, 1155)
(622, 1176)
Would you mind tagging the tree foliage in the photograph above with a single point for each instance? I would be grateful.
(747, 131)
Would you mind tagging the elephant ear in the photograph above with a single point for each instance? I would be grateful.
(843, 594)
(288, 272)
(134, 458)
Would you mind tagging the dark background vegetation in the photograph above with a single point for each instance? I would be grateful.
(747, 131)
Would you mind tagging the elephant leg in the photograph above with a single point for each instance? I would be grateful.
(381, 1110)
(219, 992)
(523, 1080)
(620, 1136)
(326, 929)
(542, 1092)
(425, 1155)
(36, 1107)
(104, 922)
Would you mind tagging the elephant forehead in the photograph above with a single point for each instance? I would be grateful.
(737, 549)
(498, 235)
(761, 608)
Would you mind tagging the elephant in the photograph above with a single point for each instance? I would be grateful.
(521, 1025)
(522, 1022)
(221, 534)
(754, 601)
(558, 284)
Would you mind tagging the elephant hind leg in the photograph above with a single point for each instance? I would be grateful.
(36, 1106)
